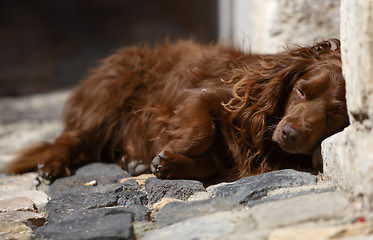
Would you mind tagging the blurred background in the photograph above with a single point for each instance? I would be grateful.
(47, 45)
(50, 44)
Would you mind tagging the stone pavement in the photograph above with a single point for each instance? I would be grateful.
(101, 201)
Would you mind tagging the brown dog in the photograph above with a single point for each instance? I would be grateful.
(198, 111)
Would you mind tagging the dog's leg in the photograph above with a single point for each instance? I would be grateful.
(64, 153)
(187, 155)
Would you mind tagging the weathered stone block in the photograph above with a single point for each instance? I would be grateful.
(15, 230)
(103, 223)
(355, 231)
(348, 156)
(301, 209)
(39, 198)
(357, 54)
(27, 181)
(105, 183)
(102, 170)
(180, 189)
(17, 204)
(65, 204)
(253, 188)
(348, 160)
(178, 211)
(206, 227)
(25, 217)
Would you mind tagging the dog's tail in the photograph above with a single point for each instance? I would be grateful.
(29, 158)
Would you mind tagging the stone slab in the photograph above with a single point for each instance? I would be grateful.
(63, 205)
(27, 181)
(193, 228)
(355, 230)
(103, 223)
(178, 211)
(348, 156)
(38, 197)
(101, 170)
(254, 188)
(15, 230)
(301, 209)
(78, 184)
(180, 189)
(21, 216)
(348, 161)
(17, 204)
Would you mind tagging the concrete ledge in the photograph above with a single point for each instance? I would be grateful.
(348, 161)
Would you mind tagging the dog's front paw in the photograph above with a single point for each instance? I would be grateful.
(162, 165)
(51, 170)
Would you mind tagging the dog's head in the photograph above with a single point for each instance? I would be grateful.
(315, 109)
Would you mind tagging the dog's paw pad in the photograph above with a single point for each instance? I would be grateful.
(140, 169)
(136, 168)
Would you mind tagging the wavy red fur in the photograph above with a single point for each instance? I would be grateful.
(199, 111)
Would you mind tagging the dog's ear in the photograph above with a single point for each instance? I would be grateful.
(259, 97)
(318, 50)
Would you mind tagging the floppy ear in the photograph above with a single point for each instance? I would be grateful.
(318, 50)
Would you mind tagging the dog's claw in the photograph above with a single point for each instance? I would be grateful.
(156, 163)
(162, 155)
(159, 168)
(152, 168)
(44, 174)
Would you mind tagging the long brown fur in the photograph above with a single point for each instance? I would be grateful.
(195, 111)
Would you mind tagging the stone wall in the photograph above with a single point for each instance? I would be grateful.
(266, 26)
(348, 156)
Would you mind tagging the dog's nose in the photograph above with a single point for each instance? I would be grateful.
(290, 135)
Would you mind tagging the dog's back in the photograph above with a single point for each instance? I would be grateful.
(125, 110)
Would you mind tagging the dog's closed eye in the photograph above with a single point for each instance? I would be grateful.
(300, 93)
